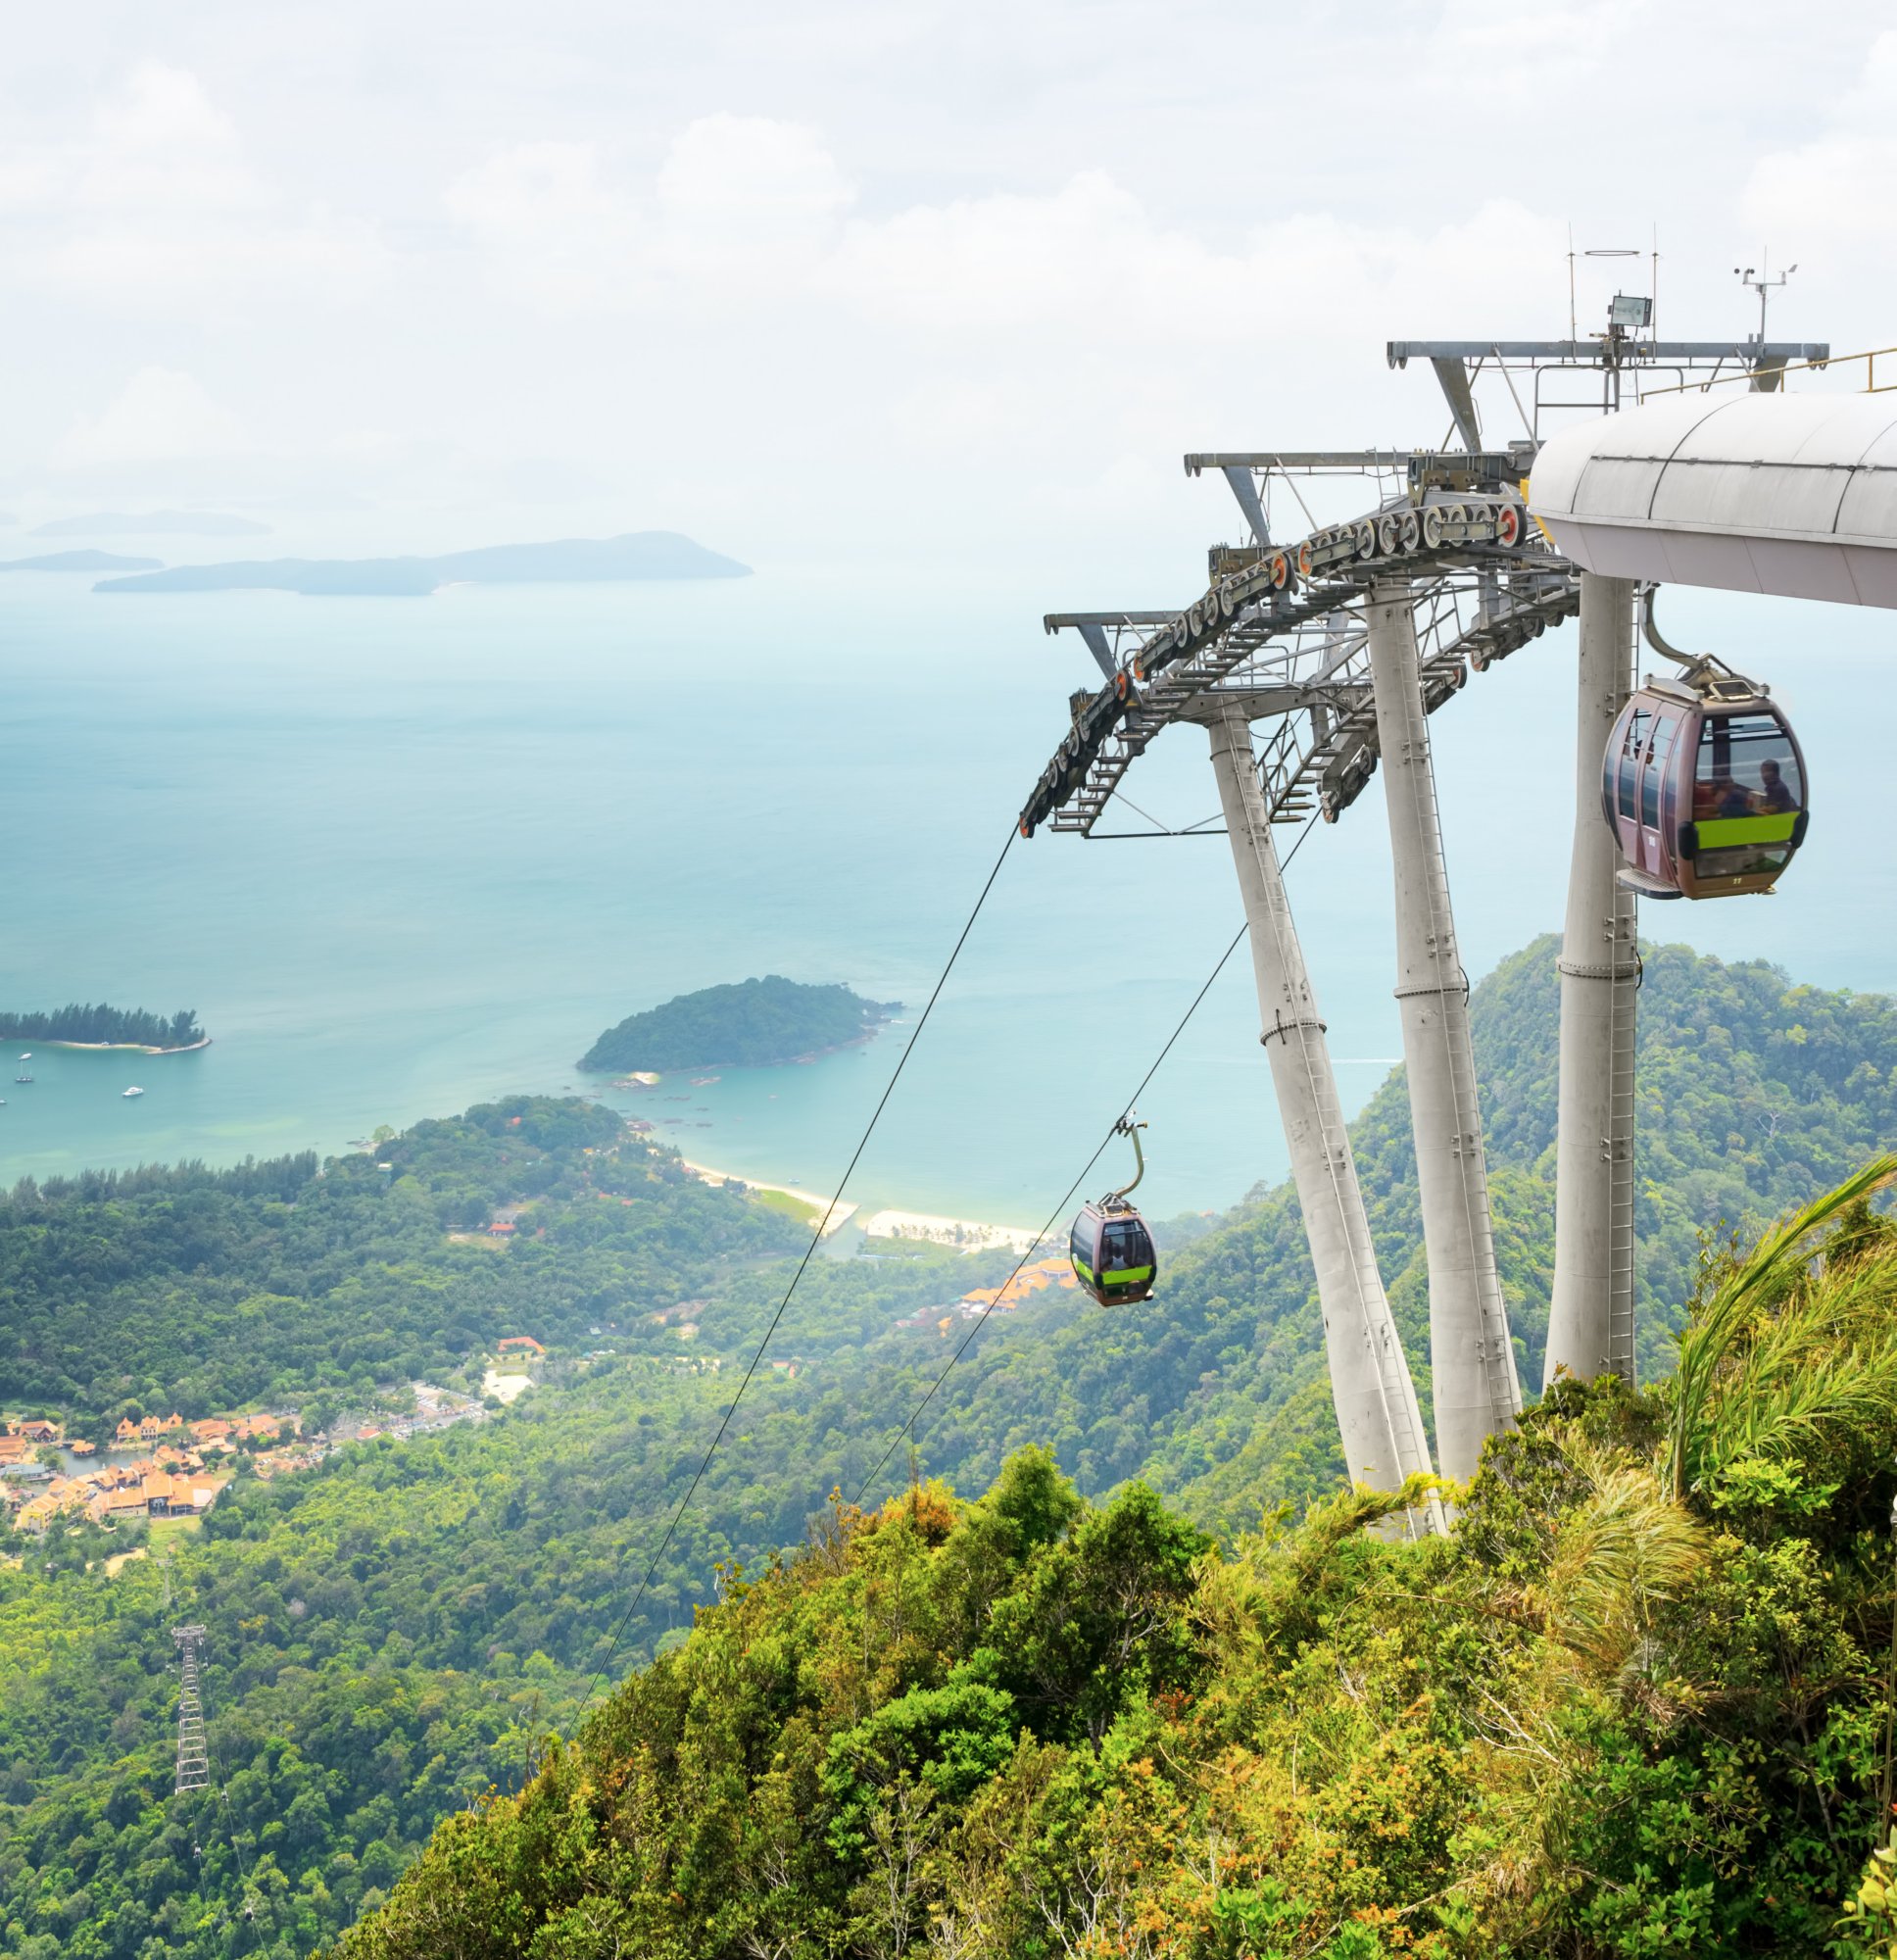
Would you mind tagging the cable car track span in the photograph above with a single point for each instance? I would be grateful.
(1278, 628)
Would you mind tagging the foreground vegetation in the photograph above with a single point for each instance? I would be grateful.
(1635, 1705)
(396, 1629)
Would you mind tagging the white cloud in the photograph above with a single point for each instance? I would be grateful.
(744, 199)
(158, 208)
(748, 193)
(763, 204)
(1836, 188)
(159, 415)
(554, 232)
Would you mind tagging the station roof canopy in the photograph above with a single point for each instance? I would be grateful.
(1787, 494)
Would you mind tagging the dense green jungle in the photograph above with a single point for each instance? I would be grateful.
(1156, 1692)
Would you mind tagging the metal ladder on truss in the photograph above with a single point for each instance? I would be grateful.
(193, 1756)
(1619, 1142)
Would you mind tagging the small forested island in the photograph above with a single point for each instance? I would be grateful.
(87, 1026)
(753, 1024)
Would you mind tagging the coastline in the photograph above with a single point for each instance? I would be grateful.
(871, 1030)
(839, 1217)
(963, 1235)
(110, 1047)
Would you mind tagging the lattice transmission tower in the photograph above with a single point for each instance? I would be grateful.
(193, 1757)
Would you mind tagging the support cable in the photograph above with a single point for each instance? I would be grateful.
(1059, 1211)
(809, 1251)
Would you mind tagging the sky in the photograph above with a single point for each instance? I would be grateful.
(942, 286)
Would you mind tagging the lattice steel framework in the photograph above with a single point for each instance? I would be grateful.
(1282, 636)
(193, 1756)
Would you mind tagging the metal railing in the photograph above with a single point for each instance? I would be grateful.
(1871, 386)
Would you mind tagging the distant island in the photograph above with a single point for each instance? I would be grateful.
(153, 524)
(82, 561)
(637, 555)
(101, 1026)
(753, 1024)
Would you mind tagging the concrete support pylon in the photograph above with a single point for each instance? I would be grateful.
(1590, 1314)
(1377, 1416)
(1471, 1360)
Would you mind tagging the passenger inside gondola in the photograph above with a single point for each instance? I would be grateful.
(1775, 792)
(1746, 797)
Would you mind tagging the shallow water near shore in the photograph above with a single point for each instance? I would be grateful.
(407, 854)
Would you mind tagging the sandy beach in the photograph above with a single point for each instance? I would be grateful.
(966, 1235)
(115, 1048)
(817, 1203)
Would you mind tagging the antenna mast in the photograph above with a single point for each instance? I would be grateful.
(1755, 277)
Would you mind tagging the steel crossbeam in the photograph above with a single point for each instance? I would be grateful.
(1280, 628)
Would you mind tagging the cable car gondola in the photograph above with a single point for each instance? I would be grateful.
(1703, 783)
(1111, 1247)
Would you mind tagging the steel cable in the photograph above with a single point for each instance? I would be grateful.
(817, 1239)
(980, 1320)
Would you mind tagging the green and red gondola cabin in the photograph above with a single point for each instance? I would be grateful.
(1113, 1254)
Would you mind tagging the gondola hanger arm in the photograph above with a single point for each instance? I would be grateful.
(1705, 672)
(1130, 1126)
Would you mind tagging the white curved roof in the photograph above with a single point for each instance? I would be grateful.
(1789, 494)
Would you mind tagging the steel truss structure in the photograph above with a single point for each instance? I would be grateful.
(193, 1756)
(1344, 640)
(1282, 630)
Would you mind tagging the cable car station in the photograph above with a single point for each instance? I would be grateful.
(1313, 662)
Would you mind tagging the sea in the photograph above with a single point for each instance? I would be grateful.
(403, 855)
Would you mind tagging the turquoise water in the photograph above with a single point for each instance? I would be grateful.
(402, 856)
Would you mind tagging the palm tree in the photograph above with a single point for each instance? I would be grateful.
(1783, 1355)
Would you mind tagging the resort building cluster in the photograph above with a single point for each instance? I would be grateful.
(188, 1463)
(1004, 1298)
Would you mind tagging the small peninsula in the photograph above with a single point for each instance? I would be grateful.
(751, 1024)
(636, 555)
(87, 1026)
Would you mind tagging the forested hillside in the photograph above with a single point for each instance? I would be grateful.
(201, 1290)
(1633, 1707)
(1754, 1095)
(391, 1630)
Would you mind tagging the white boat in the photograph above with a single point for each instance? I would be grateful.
(131, 1091)
(28, 1057)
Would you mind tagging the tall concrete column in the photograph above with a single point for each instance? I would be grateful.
(1472, 1362)
(1381, 1426)
(1591, 1316)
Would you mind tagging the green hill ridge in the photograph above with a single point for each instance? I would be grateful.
(1618, 1711)
(393, 1631)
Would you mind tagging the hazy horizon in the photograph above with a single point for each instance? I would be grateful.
(924, 282)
